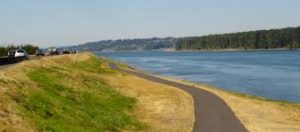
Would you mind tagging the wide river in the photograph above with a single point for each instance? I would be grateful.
(270, 74)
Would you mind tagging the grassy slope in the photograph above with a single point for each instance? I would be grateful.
(80, 93)
(56, 103)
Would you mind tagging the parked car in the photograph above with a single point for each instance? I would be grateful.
(53, 51)
(40, 52)
(66, 52)
(17, 53)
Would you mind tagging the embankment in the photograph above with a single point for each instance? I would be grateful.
(81, 93)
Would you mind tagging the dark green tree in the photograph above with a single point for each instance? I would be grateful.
(262, 39)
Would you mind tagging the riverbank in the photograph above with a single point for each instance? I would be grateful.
(80, 92)
(256, 113)
(211, 112)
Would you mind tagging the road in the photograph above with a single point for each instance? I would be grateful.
(5, 66)
(6, 62)
(212, 114)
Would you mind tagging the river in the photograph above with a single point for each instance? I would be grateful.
(270, 74)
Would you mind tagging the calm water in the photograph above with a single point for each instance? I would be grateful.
(271, 74)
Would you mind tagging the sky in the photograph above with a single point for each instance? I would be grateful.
(70, 22)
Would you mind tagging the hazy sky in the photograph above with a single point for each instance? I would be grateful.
(69, 22)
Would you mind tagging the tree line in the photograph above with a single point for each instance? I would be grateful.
(262, 39)
(30, 49)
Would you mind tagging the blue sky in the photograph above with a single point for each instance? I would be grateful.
(70, 22)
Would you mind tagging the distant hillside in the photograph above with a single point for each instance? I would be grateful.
(262, 39)
(288, 38)
(128, 44)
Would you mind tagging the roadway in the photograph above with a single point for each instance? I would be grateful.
(6, 62)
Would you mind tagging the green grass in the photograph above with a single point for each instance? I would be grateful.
(56, 106)
(91, 65)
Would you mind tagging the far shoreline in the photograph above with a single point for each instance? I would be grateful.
(212, 50)
(230, 50)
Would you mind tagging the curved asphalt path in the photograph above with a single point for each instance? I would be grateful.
(211, 113)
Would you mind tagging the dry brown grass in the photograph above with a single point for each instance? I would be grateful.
(257, 114)
(161, 107)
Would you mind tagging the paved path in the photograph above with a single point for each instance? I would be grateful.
(211, 113)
